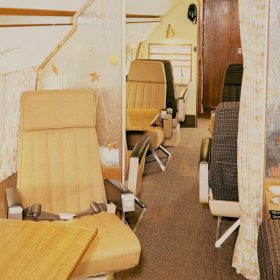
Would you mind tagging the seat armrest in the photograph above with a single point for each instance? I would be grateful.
(12, 197)
(136, 164)
(205, 150)
(167, 125)
(14, 204)
(140, 147)
(114, 191)
(204, 163)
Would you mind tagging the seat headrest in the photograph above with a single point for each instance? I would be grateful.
(147, 71)
(42, 109)
(234, 74)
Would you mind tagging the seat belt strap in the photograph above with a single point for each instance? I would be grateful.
(94, 208)
(34, 212)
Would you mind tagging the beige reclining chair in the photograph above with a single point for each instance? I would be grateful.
(146, 97)
(59, 168)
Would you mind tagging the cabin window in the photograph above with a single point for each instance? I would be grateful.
(180, 56)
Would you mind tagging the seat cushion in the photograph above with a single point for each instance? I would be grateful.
(156, 134)
(115, 246)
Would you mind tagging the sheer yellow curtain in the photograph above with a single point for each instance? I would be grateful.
(253, 26)
(11, 87)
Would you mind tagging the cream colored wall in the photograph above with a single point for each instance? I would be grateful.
(92, 58)
(185, 33)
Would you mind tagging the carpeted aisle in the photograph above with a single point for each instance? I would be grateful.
(177, 233)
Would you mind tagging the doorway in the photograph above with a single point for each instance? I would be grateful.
(221, 46)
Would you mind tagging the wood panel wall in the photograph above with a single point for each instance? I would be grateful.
(221, 41)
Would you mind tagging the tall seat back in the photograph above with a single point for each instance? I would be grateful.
(232, 83)
(171, 101)
(146, 85)
(223, 167)
(58, 163)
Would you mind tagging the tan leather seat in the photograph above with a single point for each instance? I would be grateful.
(156, 136)
(146, 85)
(59, 168)
(108, 248)
(146, 91)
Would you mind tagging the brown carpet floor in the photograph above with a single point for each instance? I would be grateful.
(177, 233)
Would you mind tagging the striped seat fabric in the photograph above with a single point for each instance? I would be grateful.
(223, 167)
(269, 250)
(232, 83)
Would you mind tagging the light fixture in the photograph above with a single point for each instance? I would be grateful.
(170, 31)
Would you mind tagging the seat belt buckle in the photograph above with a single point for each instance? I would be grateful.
(66, 216)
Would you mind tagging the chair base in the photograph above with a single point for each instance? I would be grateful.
(162, 166)
(99, 277)
(221, 239)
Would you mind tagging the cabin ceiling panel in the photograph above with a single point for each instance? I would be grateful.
(137, 32)
(150, 7)
(67, 5)
(26, 47)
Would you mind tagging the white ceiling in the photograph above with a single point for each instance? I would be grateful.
(150, 7)
(26, 47)
(138, 32)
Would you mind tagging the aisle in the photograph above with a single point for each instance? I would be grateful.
(177, 233)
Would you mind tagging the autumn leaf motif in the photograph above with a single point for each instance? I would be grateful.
(112, 145)
(55, 69)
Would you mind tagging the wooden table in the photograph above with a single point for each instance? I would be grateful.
(31, 250)
(139, 119)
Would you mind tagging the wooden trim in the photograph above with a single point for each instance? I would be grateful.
(161, 44)
(10, 182)
(112, 172)
(142, 16)
(138, 50)
(64, 40)
(35, 12)
(199, 58)
(34, 24)
(150, 21)
(176, 54)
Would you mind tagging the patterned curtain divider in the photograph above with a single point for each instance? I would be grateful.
(12, 85)
(253, 25)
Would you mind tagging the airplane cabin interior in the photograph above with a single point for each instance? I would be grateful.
(139, 139)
